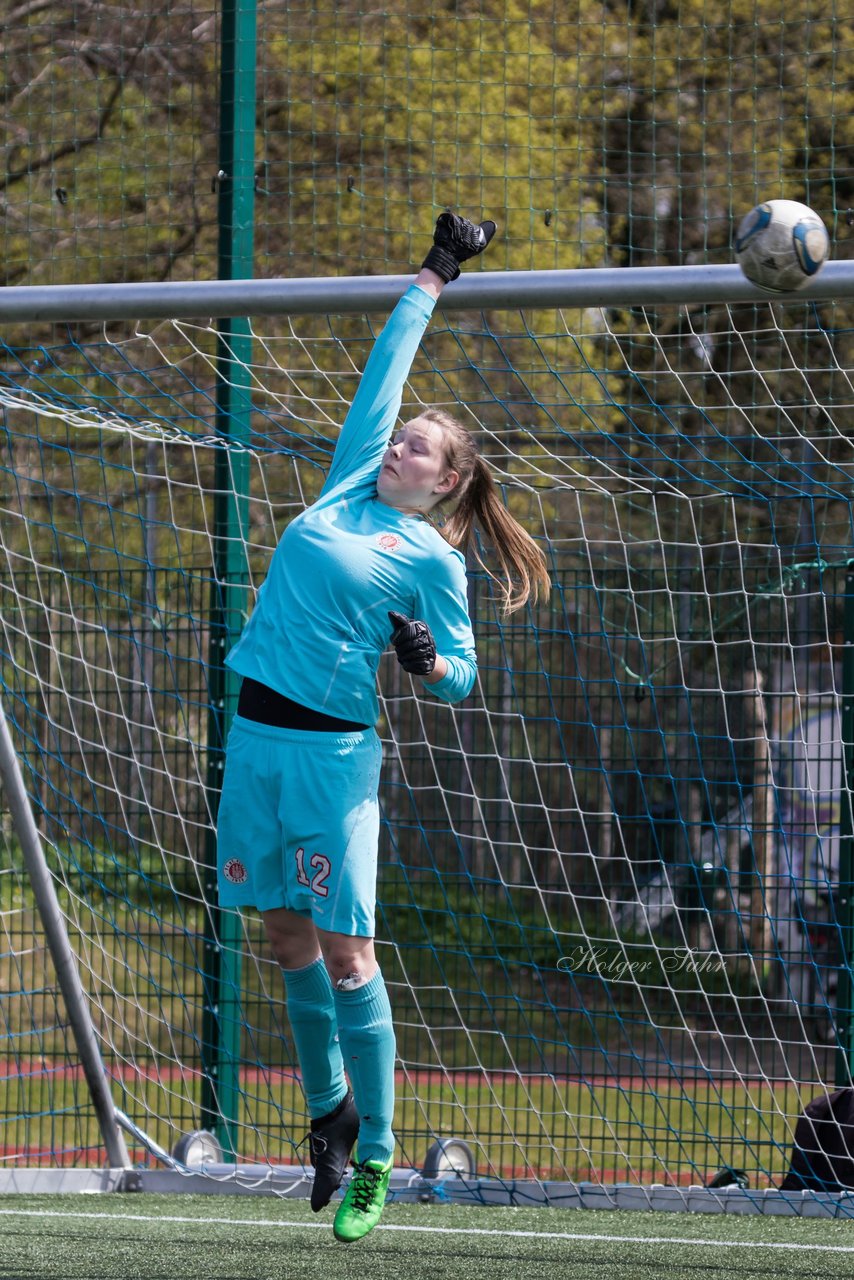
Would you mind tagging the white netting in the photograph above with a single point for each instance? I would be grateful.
(609, 915)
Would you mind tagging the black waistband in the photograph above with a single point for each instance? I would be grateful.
(265, 706)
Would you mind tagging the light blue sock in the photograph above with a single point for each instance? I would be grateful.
(368, 1045)
(311, 1013)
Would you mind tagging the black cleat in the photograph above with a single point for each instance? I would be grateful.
(330, 1142)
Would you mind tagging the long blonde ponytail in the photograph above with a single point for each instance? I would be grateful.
(477, 498)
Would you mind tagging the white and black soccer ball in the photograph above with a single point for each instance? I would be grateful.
(781, 245)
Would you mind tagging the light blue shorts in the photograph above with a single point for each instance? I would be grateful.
(298, 824)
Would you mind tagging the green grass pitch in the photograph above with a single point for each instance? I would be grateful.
(147, 1237)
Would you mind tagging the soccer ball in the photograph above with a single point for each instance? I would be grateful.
(781, 245)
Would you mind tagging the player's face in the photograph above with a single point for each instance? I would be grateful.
(415, 475)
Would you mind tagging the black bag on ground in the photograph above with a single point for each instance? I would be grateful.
(823, 1154)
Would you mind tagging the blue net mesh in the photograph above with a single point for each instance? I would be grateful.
(609, 892)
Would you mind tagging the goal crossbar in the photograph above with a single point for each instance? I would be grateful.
(487, 290)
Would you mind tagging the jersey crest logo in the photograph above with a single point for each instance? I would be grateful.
(388, 541)
(235, 872)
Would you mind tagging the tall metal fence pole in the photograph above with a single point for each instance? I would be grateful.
(56, 936)
(221, 1031)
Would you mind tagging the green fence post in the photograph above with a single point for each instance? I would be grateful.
(845, 987)
(221, 1031)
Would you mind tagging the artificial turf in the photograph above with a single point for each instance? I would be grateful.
(148, 1237)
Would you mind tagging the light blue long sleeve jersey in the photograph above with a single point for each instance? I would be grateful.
(320, 622)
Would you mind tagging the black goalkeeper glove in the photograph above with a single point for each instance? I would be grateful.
(455, 240)
(414, 644)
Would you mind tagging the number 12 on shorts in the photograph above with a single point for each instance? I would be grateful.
(320, 868)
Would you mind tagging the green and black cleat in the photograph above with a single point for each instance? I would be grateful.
(362, 1206)
(330, 1142)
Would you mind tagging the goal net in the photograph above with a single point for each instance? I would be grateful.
(611, 897)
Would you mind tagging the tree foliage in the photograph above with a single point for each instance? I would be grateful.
(592, 135)
(105, 144)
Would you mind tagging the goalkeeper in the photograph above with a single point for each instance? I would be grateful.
(298, 819)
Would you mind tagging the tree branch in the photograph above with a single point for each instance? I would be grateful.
(77, 144)
(68, 148)
(24, 11)
(186, 242)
